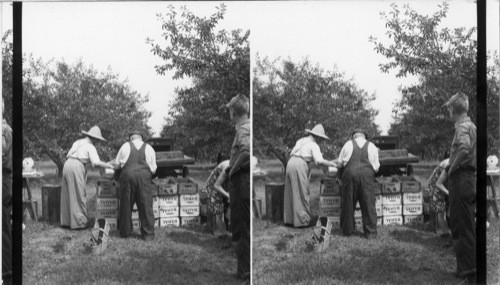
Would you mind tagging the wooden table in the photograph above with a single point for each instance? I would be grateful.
(29, 196)
(490, 181)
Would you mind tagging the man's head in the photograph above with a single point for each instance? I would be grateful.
(358, 133)
(239, 107)
(457, 105)
(136, 135)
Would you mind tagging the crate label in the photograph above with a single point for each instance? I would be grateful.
(393, 220)
(168, 201)
(189, 211)
(391, 199)
(186, 186)
(168, 189)
(412, 198)
(325, 212)
(156, 212)
(107, 203)
(391, 187)
(106, 214)
(329, 201)
(169, 222)
(412, 209)
(189, 200)
(190, 221)
(113, 224)
(414, 219)
(156, 202)
(329, 187)
(167, 212)
(107, 192)
(391, 210)
(379, 211)
(378, 200)
(410, 186)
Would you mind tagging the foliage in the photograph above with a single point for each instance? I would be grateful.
(7, 57)
(291, 97)
(218, 62)
(445, 61)
(60, 100)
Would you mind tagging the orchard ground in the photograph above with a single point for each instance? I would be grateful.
(175, 256)
(400, 254)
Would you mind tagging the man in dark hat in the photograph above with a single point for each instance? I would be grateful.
(359, 158)
(137, 161)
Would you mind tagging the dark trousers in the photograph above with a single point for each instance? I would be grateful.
(239, 187)
(463, 227)
(6, 224)
(358, 186)
(135, 187)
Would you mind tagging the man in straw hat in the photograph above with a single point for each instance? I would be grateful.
(462, 193)
(238, 173)
(297, 211)
(73, 195)
(359, 158)
(137, 161)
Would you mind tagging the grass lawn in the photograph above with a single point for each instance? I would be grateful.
(177, 255)
(400, 254)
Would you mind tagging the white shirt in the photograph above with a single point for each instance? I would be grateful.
(308, 149)
(85, 151)
(124, 152)
(346, 152)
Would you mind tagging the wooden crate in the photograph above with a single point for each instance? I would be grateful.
(413, 209)
(107, 188)
(168, 201)
(379, 211)
(409, 184)
(166, 186)
(392, 210)
(358, 222)
(329, 187)
(169, 212)
(392, 153)
(169, 222)
(107, 204)
(329, 212)
(412, 198)
(357, 213)
(136, 224)
(135, 215)
(392, 220)
(378, 200)
(186, 186)
(392, 199)
(413, 219)
(390, 185)
(189, 211)
(106, 214)
(189, 199)
(156, 212)
(330, 201)
(113, 224)
(190, 221)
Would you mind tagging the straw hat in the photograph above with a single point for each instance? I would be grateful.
(318, 131)
(94, 132)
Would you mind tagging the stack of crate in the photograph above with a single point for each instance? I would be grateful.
(107, 203)
(392, 201)
(330, 202)
(177, 203)
(412, 201)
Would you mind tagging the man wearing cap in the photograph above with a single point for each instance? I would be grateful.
(238, 173)
(137, 161)
(306, 152)
(74, 178)
(359, 158)
(461, 171)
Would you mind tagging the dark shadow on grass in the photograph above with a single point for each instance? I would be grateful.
(413, 235)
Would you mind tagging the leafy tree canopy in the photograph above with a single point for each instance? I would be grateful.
(290, 97)
(218, 62)
(444, 59)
